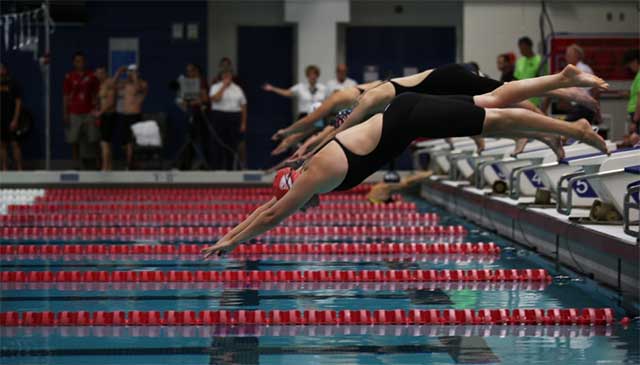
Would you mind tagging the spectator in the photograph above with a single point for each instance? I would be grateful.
(106, 113)
(528, 66)
(229, 114)
(574, 56)
(505, 66)
(80, 91)
(134, 91)
(224, 65)
(307, 93)
(10, 110)
(341, 81)
(632, 62)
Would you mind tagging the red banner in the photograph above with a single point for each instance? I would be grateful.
(603, 54)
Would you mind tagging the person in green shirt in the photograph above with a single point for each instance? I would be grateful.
(527, 66)
(632, 62)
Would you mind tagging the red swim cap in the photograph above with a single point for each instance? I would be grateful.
(283, 182)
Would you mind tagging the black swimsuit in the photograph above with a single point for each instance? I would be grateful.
(451, 79)
(409, 116)
(440, 106)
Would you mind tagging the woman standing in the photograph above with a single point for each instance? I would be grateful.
(229, 116)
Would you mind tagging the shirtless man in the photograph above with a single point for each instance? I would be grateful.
(106, 112)
(134, 91)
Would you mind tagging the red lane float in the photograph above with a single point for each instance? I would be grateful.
(534, 316)
(95, 193)
(358, 233)
(481, 248)
(364, 276)
(211, 285)
(210, 219)
(187, 207)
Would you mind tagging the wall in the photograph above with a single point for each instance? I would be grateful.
(317, 23)
(415, 13)
(493, 27)
(224, 18)
(161, 60)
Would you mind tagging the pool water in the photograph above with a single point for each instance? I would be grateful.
(315, 344)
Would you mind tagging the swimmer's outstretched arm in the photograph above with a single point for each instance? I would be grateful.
(280, 91)
(302, 151)
(312, 142)
(288, 142)
(370, 102)
(272, 213)
(335, 100)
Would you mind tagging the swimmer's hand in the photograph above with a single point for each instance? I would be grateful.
(289, 162)
(286, 143)
(220, 248)
(280, 134)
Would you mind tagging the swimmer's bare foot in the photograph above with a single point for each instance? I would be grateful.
(588, 136)
(556, 145)
(521, 143)
(574, 77)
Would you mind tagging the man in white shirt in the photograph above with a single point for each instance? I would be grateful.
(229, 115)
(574, 55)
(341, 81)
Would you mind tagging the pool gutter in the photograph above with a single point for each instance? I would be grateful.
(608, 259)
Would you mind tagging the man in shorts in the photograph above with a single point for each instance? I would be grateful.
(80, 92)
(134, 91)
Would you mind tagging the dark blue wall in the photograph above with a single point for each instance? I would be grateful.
(267, 112)
(161, 60)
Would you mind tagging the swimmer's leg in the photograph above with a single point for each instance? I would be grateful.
(553, 141)
(520, 90)
(501, 122)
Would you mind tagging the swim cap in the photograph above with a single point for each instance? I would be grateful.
(283, 182)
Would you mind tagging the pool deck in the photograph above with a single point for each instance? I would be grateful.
(604, 253)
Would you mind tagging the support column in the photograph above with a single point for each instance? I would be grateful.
(317, 33)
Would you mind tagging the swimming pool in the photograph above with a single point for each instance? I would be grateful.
(309, 344)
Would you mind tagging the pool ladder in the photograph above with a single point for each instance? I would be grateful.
(629, 204)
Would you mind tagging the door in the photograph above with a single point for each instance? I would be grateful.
(265, 54)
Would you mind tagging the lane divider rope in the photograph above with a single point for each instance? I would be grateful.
(393, 286)
(168, 208)
(481, 248)
(279, 276)
(568, 316)
(357, 233)
(208, 331)
(215, 219)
